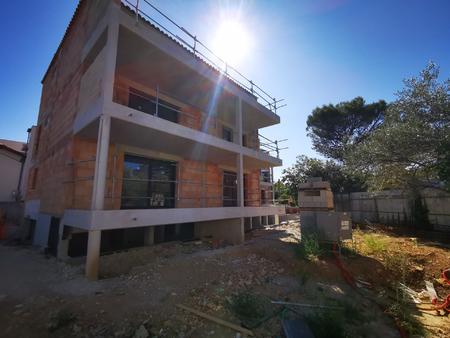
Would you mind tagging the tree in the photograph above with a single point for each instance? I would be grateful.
(333, 128)
(411, 149)
(341, 180)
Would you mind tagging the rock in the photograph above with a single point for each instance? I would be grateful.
(141, 332)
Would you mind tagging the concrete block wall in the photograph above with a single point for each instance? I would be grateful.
(58, 108)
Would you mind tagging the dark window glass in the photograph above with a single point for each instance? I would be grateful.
(229, 189)
(227, 134)
(148, 183)
(140, 101)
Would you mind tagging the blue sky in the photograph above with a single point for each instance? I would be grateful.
(310, 52)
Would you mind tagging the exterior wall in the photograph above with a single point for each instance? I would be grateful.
(59, 106)
(10, 164)
(252, 195)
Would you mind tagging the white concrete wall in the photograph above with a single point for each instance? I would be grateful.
(230, 230)
(10, 173)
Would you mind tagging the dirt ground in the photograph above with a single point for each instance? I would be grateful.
(139, 291)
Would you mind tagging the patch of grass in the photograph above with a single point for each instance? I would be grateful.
(309, 248)
(374, 244)
(325, 324)
(248, 307)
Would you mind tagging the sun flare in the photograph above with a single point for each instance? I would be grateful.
(232, 42)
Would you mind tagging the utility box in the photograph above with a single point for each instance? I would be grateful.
(317, 217)
(315, 194)
(328, 226)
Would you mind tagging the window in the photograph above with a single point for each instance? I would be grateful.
(227, 134)
(229, 189)
(312, 193)
(148, 183)
(141, 101)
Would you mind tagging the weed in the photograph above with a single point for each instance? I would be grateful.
(309, 248)
(248, 307)
(374, 244)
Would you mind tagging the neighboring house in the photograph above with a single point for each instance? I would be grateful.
(140, 141)
(12, 156)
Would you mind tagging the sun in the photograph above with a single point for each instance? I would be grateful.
(232, 41)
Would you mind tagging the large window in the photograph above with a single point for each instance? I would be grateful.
(141, 101)
(229, 189)
(148, 183)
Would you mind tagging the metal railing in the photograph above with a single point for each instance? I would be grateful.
(268, 146)
(209, 194)
(149, 13)
(188, 119)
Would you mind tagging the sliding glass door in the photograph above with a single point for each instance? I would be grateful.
(148, 183)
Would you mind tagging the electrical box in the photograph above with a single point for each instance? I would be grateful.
(328, 226)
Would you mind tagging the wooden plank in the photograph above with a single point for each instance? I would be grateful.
(217, 320)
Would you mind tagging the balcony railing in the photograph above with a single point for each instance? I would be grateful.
(145, 11)
(159, 107)
(186, 193)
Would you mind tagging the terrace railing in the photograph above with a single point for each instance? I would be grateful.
(146, 11)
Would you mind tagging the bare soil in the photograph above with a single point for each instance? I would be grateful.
(41, 297)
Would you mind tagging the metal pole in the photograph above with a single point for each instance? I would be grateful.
(157, 100)
(277, 149)
(273, 188)
(137, 10)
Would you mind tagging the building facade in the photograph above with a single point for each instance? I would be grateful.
(139, 140)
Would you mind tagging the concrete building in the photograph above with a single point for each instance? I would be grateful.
(12, 155)
(141, 139)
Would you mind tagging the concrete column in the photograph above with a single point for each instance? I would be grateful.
(277, 219)
(240, 179)
(239, 160)
(93, 254)
(149, 236)
(101, 163)
(239, 120)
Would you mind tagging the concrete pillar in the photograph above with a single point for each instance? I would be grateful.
(149, 236)
(240, 180)
(93, 254)
(277, 219)
(101, 163)
(240, 159)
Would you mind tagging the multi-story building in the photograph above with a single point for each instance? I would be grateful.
(141, 139)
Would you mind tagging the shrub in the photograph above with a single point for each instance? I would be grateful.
(309, 247)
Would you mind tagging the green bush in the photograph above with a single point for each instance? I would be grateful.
(309, 247)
